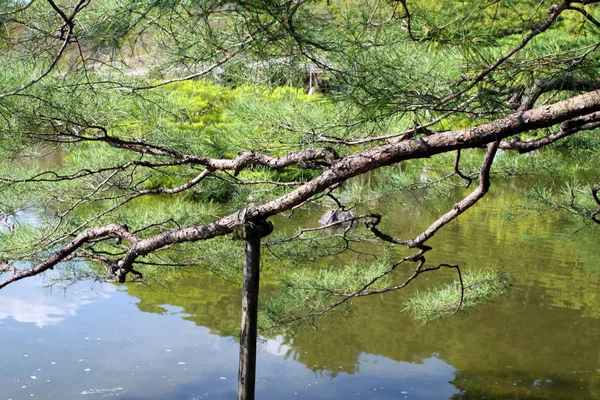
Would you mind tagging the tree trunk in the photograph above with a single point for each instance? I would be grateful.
(247, 369)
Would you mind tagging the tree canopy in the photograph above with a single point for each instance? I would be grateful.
(145, 132)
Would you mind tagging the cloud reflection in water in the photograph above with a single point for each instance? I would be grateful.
(26, 303)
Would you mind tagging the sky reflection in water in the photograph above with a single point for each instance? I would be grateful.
(97, 344)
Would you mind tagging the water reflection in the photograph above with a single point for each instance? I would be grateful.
(276, 346)
(177, 340)
(27, 302)
(39, 314)
(539, 341)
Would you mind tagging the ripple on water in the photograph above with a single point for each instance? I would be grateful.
(105, 392)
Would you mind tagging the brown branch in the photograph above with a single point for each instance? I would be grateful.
(541, 86)
(311, 158)
(457, 170)
(408, 16)
(88, 172)
(126, 200)
(84, 237)
(61, 13)
(462, 288)
(586, 14)
(191, 183)
(8, 268)
(588, 122)
(234, 180)
(419, 270)
(594, 215)
(306, 158)
(459, 208)
(138, 146)
(595, 190)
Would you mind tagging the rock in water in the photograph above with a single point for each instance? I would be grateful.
(333, 216)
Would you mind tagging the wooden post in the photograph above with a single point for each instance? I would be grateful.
(251, 233)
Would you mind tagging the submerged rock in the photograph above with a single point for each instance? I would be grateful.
(333, 216)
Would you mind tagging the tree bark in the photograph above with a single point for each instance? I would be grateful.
(251, 233)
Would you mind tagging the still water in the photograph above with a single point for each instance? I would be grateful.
(539, 341)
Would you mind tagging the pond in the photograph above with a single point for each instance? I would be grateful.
(539, 341)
